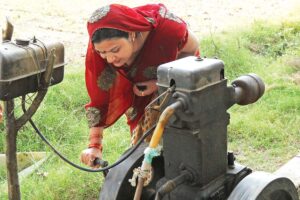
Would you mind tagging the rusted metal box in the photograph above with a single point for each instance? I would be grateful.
(22, 64)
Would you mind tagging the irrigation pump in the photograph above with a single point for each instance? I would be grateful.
(194, 162)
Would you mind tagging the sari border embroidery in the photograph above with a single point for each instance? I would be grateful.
(99, 14)
(93, 116)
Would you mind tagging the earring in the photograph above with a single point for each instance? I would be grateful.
(132, 37)
(141, 35)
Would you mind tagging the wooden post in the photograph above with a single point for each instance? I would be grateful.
(13, 125)
(11, 149)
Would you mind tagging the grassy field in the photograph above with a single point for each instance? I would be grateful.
(263, 135)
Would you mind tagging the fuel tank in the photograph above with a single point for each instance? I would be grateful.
(22, 64)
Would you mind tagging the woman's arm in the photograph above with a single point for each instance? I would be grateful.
(95, 147)
(191, 47)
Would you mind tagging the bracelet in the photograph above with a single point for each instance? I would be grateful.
(97, 146)
(95, 140)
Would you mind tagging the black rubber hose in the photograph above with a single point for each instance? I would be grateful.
(147, 133)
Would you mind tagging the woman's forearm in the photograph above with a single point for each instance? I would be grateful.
(96, 136)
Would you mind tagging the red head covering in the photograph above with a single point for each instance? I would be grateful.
(123, 18)
(109, 89)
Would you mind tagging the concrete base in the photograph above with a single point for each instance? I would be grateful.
(26, 172)
(291, 170)
(25, 159)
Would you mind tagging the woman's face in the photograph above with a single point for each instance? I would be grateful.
(116, 51)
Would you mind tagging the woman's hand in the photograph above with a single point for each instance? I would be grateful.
(145, 88)
(94, 151)
(89, 155)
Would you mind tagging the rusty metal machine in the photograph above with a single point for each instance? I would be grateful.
(194, 162)
(26, 66)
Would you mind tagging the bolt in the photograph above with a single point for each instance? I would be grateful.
(230, 159)
(199, 58)
(175, 95)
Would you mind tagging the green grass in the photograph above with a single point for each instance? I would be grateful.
(61, 118)
(269, 129)
(264, 135)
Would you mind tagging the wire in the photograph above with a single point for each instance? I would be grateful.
(125, 156)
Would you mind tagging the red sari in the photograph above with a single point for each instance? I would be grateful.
(109, 87)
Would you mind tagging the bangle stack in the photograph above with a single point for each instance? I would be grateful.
(95, 141)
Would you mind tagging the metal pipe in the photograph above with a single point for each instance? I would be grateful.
(163, 120)
(8, 31)
(139, 189)
(157, 134)
(170, 185)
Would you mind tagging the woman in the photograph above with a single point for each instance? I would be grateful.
(126, 46)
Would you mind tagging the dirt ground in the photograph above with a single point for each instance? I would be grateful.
(65, 21)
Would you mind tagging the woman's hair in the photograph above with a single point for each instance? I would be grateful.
(108, 33)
